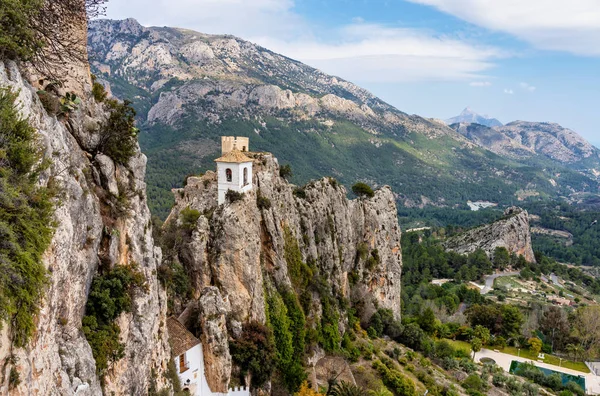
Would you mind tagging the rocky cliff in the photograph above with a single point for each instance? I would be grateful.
(283, 237)
(511, 232)
(89, 234)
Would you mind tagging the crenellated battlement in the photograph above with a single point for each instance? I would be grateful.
(230, 143)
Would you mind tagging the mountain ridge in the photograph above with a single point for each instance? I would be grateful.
(470, 116)
(190, 88)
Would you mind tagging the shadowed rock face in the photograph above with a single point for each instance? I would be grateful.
(58, 359)
(512, 232)
(242, 249)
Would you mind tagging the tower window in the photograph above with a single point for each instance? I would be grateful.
(243, 148)
(245, 176)
(228, 174)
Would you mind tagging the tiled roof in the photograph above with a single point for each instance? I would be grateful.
(181, 339)
(235, 156)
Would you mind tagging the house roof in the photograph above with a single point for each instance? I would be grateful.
(234, 156)
(181, 339)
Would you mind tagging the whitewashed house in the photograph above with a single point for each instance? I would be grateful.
(189, 361)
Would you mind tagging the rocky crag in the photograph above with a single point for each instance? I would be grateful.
(90, 232)
(511, 232)
(239, 252)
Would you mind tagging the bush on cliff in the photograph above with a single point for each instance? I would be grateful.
(110, 295)
(363, 190)
(25, 222)
(119, 136)
(254, 353)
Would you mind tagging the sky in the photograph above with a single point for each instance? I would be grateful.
(533, 60)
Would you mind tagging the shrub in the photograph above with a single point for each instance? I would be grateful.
(285, 171)
(98, 91)
(14, 378)
(394, 380)
(26, 229)
(118, 136)
(344, 388)
(110, 295)
(174, 279)
(473, 382)
(499, 380)
(263, 202)
(18, 39)
(189, 217)
(363, 190)
(233, 196)
(254, 353)
(299, 192)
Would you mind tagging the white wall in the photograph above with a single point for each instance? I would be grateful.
(198, 385)
(237, 179)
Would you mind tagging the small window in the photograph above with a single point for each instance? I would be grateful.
(182, 366)
(243, 148)
(228, 174)
(245, 176)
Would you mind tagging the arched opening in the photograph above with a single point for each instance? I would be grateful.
(245, 176)
(228, 174)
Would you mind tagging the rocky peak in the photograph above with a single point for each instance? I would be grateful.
(511, 232)
(254, 244)
(470, 116)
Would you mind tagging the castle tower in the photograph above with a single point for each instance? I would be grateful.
(229, 143)
(234, 169)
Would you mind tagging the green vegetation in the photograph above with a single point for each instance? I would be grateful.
(98, 91)
(118, 137)
(18, 39)
(25, 221)
(363, 190)
(254, 353)
(233, 196)
(110, 295)
(285, 171)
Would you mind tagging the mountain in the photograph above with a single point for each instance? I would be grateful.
(471, 117)
(536, 142)
(191, 88)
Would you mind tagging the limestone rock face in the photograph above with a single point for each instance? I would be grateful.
(511, 232)
(240, 247)
(217, 360)
(58, 359)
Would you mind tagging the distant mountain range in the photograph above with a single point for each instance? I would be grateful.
(471, 117)
(190, 88)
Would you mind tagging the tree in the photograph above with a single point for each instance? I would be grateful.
(254, 353)
(344, 388)
(306, 390)
(512, 319)
(501, 258)
(555, 325)
(363, 190)
(427, 321)
(535, 344)
(586, 327)
(482, 333)
(285, 171)
(476, 346)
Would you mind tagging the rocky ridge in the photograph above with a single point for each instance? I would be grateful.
(59, 360)
(511, 232)
(244, 249)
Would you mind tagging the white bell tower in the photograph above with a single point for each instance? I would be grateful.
(234, 168)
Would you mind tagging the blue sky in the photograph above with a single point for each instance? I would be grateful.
(534, 60)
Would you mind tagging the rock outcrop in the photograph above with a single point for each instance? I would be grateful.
(511, 232)
(246, 247)
(217, 359)
(58, 360)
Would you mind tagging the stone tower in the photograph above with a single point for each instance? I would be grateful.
(234, 169)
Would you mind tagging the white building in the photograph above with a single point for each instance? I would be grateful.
(234, 168)
(189, 362)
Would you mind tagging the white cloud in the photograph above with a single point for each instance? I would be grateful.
(564, 25)
(376, 53)
(508, 91)
(480, 84)
(358, 52)
(527, 87)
